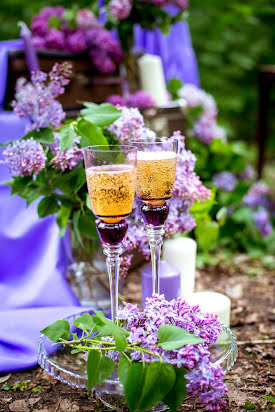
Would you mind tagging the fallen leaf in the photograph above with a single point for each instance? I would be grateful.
(5, 378)
(19, 406)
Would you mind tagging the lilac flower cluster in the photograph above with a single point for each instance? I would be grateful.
(187, 189)
(68, 158)
(24, 157)
(225, 181)
(139, 99)
(262, 221)
(84, 34)
(121, 9)
(258, 197)
(35, 100)
(130, 125)
(205, 380)
(205, 127)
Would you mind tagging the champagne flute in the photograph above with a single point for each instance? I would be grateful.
(156, 173)
(111, 180)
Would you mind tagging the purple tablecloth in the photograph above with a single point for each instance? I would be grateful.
(33, 260)
(175, 50)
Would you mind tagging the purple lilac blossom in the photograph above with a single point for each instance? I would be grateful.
(120, 8)
(130, 125)
(205, 127)
(85, 19)
(47, 12)
(262, 221)
(76, 42)
(55, 39)
(257, 195)
(104, 50)
(39, 26)
(25, 157)
(67, 159)
(35, 100)
(102, 61)
(205, 380)
(116, 100)
(141, 100)
(225, 181)
(39, 42)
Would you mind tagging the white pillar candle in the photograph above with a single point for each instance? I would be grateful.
(181, 253)
(213, 302)
(152, 77)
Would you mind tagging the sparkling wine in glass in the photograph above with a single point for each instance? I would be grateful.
(156, 173)
(111, 181)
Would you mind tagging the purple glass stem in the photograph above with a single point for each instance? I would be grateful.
(111, 236)
(154, 218)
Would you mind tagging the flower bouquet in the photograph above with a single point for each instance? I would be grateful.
(76, 31)
(158, 354)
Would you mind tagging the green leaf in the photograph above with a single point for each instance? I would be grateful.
(66, 138)
(118, 333)
(87, 225)
(19, 185)
(134, 384)
(84, 322)
(123, 369)
(90, 133)
(200, 210)
(207, 233)
(76, 216)
(58, 329)
(62, 218)
(221, 216)
(44, 135)
(269, 398)
(47, 206)
(238, 193)
(159, 380)
(89, 104)
(101, 115)
(99, 368)
(173, 337)
(249, 406)
(173, 86)
(177, 394)
(88, 202)
(54, 22)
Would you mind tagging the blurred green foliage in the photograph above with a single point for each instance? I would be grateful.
(231, 39)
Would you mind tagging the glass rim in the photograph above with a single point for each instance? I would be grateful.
(120, 148)
(157, 141)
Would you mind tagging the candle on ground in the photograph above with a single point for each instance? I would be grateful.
(30, 53)
(169, 278)
(152, 77)
(213, 302)
(181, 252)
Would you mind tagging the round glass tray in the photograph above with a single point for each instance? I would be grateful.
(71, 369)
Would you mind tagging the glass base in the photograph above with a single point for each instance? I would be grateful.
(71, 369)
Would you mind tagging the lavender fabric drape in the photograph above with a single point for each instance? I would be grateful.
(175, 50)
(33, 259)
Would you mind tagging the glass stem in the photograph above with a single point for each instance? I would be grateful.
(155, 236)
(113, 253)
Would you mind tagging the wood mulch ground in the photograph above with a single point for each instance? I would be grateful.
(251, 289)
